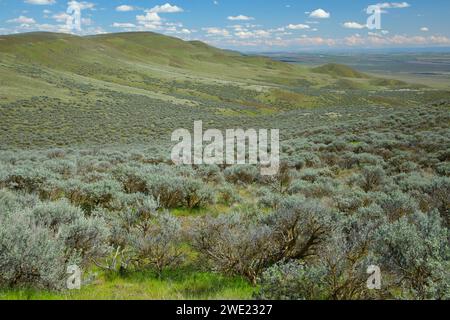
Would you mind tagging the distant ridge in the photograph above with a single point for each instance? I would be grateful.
(339, 70)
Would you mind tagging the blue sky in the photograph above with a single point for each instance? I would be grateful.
(247, 25)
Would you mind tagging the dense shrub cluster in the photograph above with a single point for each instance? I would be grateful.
(144, 237)
(39, 241)
(349, 194)
(246, 244)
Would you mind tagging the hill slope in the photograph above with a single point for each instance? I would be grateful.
(339, 70)
(70, 89)
(66, 52)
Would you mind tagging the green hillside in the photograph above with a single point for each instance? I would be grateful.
(76, 54)
(136, 55)
(131, 86)
(339, 70)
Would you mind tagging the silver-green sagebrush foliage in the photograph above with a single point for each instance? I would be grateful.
(350, 193)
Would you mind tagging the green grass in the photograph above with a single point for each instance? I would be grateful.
(180, 284)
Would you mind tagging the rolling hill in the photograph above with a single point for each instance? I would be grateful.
(124, 86)
(124, 57)
(339, 70)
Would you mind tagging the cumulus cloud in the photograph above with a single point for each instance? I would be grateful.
(166, 8)
(424, 29)
(297, 27)
(240, 17)
(152, 20)
(354, 25)
(125, 8)
(149, 17)
(320, 14)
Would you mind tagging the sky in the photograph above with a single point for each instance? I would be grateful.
(245, 25)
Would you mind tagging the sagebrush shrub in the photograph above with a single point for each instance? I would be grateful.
(292, 281)
(31, 255)
(167, 189)
(92, 195)
(416, 250)
(26, 178)
(53, 215)
(439, 191)
(88, 237)
(228, 195)
(143, 236)
(196, 193)
(246, 245)
(210, 173)
(396, 204)
(158, 246)
(371, 178)
(241, 174)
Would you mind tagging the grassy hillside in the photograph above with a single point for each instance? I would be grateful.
(339, 70)
(125, 87)
(130, 57)
(101, 52)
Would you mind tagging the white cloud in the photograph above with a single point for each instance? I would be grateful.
(153, 21)
(217, 32)
(41, 2)
(297, 27)
(149, 17)
(125, 8)
(166, 8)
(123, 25)
(22, 20)
(354, 25)
(240, 18)
(424, 29)
(320, 14)
(253, 34)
